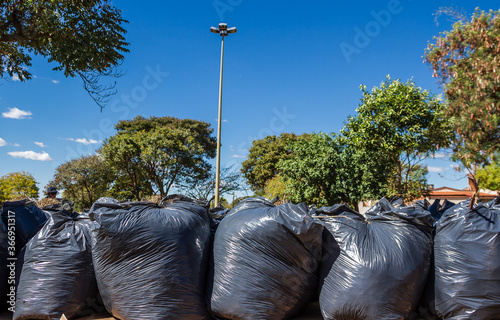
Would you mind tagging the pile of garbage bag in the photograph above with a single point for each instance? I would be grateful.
(181, 260)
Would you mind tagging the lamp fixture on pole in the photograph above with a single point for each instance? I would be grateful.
(223, 31)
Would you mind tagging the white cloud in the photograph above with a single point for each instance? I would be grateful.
(223, 120)
(44, 156)
(40, 144)
(439, 155)
(237, 156)
(15, 113)
(434, 169)
(16, 145)
(15, 77)
(55, 81)
(84, 140)
(2, 142)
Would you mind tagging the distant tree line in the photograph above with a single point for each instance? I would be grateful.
(377, 153)
(146, 157)
(17, 185)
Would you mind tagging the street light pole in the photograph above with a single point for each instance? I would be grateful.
(223, 31)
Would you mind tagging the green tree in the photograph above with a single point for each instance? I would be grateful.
(264, 155)
(84, 180)
(204, 188)
(17, 184)
(83, 38)
(122, 154)
(275, 187)
(154, 154)
(404, 124)
(124, 189)
(466, 60)
(326, 170)
(489, 175)
(414, 181)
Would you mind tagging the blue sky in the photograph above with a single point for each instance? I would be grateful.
(293, 66)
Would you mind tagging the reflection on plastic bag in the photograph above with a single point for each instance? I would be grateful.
(28, 220)
(151, 261)
(57, 275)
(382, 264)
(467, 262)
(265, 261)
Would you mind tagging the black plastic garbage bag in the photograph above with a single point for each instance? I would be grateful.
(265, 261)
(377, 265)
(467, 262)
(28, 220)
(216, 215)
(57, 276)
(437, 209)
(422, 203)
(151, 261)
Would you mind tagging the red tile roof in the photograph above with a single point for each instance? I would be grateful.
(450, 193)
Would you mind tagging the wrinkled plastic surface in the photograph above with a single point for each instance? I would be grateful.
(151, 261)
(57, 276)
(28, 220)
(374, 266)
(467, 262)
(265, 261)
(422, 203)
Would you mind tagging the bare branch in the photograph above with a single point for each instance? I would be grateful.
(99, 93)
(453, 14)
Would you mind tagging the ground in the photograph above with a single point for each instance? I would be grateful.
(312, 312)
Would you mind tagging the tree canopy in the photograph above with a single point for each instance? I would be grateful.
(152, 155)
(489, 175)
(264, 155)
(466, 60)
(84, 180)
(403, 124)
(17, 184)
(276, 188)
(326, 170)
(83, 38)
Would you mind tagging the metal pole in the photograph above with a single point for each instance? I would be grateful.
(217, 170)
